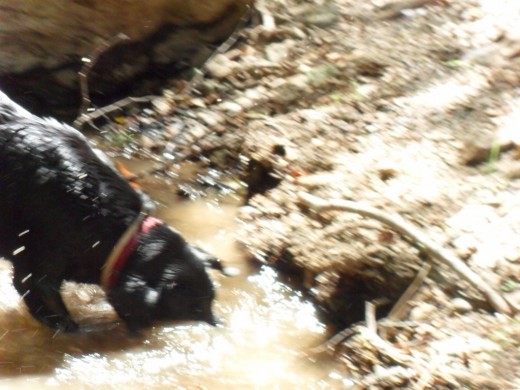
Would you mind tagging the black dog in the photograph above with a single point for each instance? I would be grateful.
(67, 215)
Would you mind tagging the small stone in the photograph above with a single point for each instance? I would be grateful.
(174, 129)
(211, 119)
(231, 107)
(221, 67)
(322, 74)
(147, 143)
(279, 51)
(319, 16)
(198, 102)
(249, 210)
(422, 312)
(198, 131)
(461, 305)
(162, 106)
(245, 102)
(287, 94)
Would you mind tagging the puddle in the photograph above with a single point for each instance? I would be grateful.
(263, 344)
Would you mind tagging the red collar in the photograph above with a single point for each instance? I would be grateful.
(118, 258)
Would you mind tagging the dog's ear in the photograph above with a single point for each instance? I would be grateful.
(134, 301)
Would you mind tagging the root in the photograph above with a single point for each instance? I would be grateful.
(429, 247)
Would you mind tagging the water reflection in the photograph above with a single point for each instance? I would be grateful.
(262, 345)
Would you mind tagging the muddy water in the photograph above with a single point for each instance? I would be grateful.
(263, 345)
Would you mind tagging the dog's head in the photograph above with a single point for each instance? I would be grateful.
(165, 279)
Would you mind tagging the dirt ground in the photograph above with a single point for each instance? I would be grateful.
(411, 107)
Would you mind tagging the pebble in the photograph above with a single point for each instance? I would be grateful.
(231, 107)
(210, 118)
(461, 305)
(148, 143)
(221, 67)
(287, 94)
(320, 16)
(422, 312)
(279, 51)
(162, 106)
(245, 102)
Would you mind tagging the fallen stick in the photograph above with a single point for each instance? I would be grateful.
(397, 312)
(429, 247)
(120, 104)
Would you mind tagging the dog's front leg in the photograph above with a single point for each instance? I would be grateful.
(43, 298)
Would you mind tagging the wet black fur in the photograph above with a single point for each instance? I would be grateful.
(62, 209)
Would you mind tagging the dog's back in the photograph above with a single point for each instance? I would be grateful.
(55, 191)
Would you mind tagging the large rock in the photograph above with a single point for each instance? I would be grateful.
(42, 43)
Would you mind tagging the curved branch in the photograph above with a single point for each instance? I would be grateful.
(431, 248)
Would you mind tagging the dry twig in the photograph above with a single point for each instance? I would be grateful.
(397, 312)
(85, 118)
(400, 225)
(370, 316)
